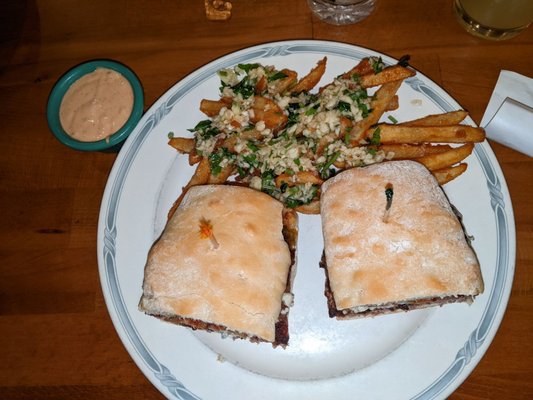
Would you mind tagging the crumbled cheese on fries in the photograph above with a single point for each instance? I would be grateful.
(269, 131)
(312, 119)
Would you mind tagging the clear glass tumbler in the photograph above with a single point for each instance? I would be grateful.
(494, 19)
(341, 12)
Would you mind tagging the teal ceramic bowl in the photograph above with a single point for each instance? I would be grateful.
(113, 142)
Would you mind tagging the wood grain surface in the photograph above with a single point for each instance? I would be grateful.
(58, 341)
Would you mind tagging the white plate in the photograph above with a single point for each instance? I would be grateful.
(422, 354)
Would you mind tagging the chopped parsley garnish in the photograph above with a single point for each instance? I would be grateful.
(268, 184)
(206, 123)
(324, 169)
(284, 135)
(312, 110)
(293, 117)
(248, 163)
(170, 135)
(216, 158)
(297, 197)
(222, 86)
(293, 203)
(376, 137)
(246, 87)
(392, 119)
(214, 162)
(248, 67)
(342, 106)
(377, 64)
(251, 160)
(289, 172)
(358, 95)
(241, 171)
(205, 129)
(252, 146)
(277, 75)
(347, 138)
(364, 110)
(313, 98)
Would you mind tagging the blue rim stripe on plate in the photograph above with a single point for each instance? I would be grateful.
(161, 372)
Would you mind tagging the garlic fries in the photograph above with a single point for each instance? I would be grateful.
(269, 131)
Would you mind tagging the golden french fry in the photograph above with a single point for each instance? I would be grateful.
(290, 224)
(340, 164)
(408, 151)
(269, 112)
(183, 145)
(231, 141)
(311, 208)
(324, 141)
(396, 134)
(363, 68)
(446, 175)
(308, 82)
(403, 151)
(212, 108)
(261, 85)
(447, 158)
(202, 173)
(282, 85)
(450, 118)
(298, 178)
(389, 74)
(222, 176)
(381, 99)
(200, 177)
(194, 157)
(393, 104)
(346, 126)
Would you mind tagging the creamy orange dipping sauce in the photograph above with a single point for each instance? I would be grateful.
(96, 105)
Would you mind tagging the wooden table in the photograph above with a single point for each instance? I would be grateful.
(58, 340)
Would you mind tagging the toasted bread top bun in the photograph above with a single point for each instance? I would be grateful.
(235, 279)
(418, 251)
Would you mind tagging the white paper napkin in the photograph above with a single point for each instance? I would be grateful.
(508, 118)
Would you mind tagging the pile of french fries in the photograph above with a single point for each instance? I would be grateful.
(440, 142)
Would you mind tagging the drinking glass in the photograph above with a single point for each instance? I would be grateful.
(341, 12)
(494, 19)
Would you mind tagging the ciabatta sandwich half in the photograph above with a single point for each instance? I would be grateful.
(392, 242)
(224, 263)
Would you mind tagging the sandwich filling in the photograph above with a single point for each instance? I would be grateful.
(386, 308)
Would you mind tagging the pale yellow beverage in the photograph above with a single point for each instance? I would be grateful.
(494, 19)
